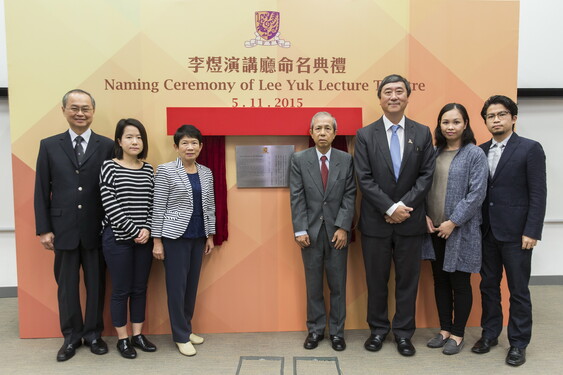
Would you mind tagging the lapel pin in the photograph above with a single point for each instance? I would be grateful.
(410, 141)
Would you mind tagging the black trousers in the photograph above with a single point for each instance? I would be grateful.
(318, 258)
(378, 253)
(129, 265)
(452, 291)
(517, 264)
(67, 274)
(182, 263)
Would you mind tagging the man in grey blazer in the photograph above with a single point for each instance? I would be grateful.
(68, 219)
(323, 192)
(394, 161)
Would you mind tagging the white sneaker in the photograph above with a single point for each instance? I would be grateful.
(186, 348)
(195, 339)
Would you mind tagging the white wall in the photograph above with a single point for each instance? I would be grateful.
(8, 276)
(542, 119)
(539, 55)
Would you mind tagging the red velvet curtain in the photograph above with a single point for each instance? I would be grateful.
(213, 156)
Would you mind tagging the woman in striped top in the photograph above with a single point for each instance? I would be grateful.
(183, 226)
(126, 186)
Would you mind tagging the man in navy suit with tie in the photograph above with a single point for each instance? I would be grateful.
(394, 161)
(513, 214)
(323, 194)
(68, 218)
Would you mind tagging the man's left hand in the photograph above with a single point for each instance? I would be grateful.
(528, 243)
(340, 238)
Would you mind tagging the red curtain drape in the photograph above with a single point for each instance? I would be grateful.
(213, 156)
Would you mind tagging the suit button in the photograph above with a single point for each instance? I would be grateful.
(80, 188)
(324, 203)
(321, 218)
(77, 171)
(491, 204)
(79, 206)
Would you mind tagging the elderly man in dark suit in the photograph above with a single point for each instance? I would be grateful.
(68, 217)
(394, 161)
(513, 214)
(323, 192)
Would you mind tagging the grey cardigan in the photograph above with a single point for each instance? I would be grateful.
(465, 192)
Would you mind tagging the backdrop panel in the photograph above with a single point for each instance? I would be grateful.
(140, 59)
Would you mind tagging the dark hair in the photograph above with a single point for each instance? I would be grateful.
(120, 128)
(391, 79)
(189, 131)
(466, 137)
(78, 91)
(500, 99)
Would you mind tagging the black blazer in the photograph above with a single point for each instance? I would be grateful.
(376, 178)
(516, 194)
(67, 197)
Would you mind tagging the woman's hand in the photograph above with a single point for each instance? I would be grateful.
(445, 229)
(430, 228)
(209, 245)
(143, 237)
(158, 249)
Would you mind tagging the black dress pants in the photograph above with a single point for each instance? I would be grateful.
(452, 291)
(517, 264)
(67, 274)
(378, 253)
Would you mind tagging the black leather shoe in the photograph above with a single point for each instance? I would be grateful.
(141, 342)
(516, 356)
(125, 348)
(97, 346)
(405, 347)
(338, 343)
(374, 342)
(66, 352)
(483, 345)
(312, 340)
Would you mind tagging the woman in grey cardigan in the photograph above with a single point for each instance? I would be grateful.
(454, 218)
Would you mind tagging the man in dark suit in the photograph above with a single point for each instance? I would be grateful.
(394, 161)
(68, 217)
(513, 214)
(323, 193)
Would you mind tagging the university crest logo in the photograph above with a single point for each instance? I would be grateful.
(267, 30)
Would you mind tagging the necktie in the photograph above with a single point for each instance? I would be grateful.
(395, 148)
(495, 152)
(79, 150)
(324, 171)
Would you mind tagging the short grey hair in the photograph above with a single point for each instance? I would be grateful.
(324, 114)
(78, 91)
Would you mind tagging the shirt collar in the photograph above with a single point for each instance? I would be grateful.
(503, 142)
(86, 135)
(327, 154)
(388, 123)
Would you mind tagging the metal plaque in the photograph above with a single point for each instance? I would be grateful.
(263, 166)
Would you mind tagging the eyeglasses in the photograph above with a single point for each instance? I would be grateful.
(75, 110)
(500, 115)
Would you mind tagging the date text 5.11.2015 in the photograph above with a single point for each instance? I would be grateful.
(276, 103)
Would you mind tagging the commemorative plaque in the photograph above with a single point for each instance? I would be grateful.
(263, 166)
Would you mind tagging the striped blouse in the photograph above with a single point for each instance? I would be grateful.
(127, 198)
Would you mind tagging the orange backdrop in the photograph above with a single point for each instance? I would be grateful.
(453, 50)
